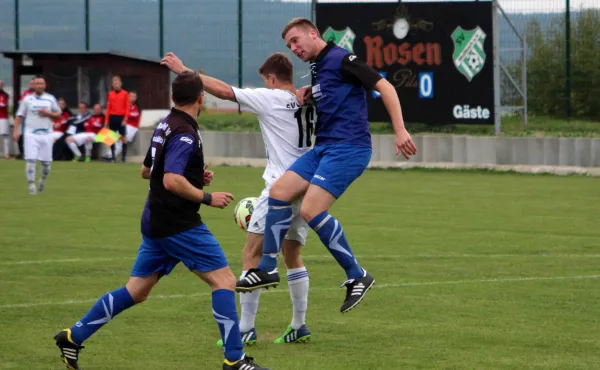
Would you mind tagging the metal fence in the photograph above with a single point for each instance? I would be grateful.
(230, 38)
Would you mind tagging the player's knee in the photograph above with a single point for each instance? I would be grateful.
(307, 212)
(278, 191)
(225, 282)
(293, 260)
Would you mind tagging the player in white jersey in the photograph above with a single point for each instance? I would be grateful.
(41, 109)
(287, 131)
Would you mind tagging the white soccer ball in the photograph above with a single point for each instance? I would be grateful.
(243, 212)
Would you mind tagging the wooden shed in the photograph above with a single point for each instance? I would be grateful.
(86, 76)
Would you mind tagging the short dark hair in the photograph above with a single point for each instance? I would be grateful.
(187, 88)
(279, 65)
(299, 22)
(84, 103)
(39, 76)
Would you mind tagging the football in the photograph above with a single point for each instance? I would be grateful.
(243, 212)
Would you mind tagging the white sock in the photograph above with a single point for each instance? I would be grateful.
(118, 148)
(30, 171)
(74, 148)
(6, 145)
(88, 149)
(46, 167)
(249, 303)
(298, 284)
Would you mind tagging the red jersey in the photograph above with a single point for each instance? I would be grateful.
(94, 123)
(25, 93)
(135, 114)
(61, 123)
(118, 104)
(3, 104)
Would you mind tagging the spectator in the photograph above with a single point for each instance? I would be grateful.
(4, 129)
(60, 124)
(91, 127)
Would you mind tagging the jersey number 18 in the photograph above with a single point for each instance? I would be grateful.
(305, 116)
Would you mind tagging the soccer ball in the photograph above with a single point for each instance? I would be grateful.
(243, 212)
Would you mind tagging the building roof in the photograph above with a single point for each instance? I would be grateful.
(14, 54)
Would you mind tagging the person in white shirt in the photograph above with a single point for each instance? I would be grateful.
(287, 129)
(41, 109)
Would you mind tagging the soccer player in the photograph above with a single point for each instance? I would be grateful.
(4, 129)
(133, 123)
(117, 112)
(40, 108)
(173, 232)
(286, 129)
(91, 126)
(61, 124)
(341, 153)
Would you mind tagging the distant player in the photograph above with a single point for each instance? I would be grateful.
(91, 126)
(133, 123)
(61, 123)
(286, 129)
(117, 113)
(173, 232)
(41, 109)
(4, 128)
(341, 153)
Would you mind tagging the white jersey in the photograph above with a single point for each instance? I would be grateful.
(30, 107)
(286, 127)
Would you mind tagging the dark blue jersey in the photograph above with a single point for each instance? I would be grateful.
(339, 82)
(177, 148)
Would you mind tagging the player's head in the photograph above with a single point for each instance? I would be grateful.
(83, 108)
(39, 84)
(97, 109)
(187, 91)
(132, 96)
(277, 70)
(32, 84)
(62, 103)
(117, 83)
(303, 38)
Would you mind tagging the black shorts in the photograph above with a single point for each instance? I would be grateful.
(115, 123)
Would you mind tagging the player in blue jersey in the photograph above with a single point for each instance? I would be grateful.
(173, 232)
(341, 153)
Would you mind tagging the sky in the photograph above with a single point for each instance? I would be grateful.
(509, 6)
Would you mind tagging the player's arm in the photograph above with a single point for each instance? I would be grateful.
(127, 109)
(55, 111)
(19, 119)
(355, 70)
(147, 164)
(178, 152)
(108, 110)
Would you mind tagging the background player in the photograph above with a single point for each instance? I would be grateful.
(342, 152)
(41, 109)
(286, 129)
(172, 231)
(91, 126)
(61, 124)
(133, 123)
(4, 129)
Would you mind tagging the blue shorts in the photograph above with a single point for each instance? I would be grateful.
(333, 167)
(197, 248)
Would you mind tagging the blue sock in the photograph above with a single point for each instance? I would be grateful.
(332, 235)
(107, 307)
(224, 310)
(277, 224)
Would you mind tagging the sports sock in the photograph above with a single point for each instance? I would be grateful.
(6, 145)
(30, 167)
(277, 224)
(249, 307)
(298, 284)
(88, 149)
(74, 148)
(224, 311)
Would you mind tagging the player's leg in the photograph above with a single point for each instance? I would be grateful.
(201, 253)
(73, 142)
(151, 263)
(4, 131)
(45, 157)
(30, 154)
(89, 143)
(340, 166)
(124, 141)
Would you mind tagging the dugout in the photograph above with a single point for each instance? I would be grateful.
(86, 76)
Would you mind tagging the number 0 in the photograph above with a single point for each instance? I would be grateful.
(426, 85)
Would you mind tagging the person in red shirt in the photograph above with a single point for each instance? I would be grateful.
(91, 127)
(117, 113)
(60, 124)
(29, 91)
(133, 123)
(4, 120)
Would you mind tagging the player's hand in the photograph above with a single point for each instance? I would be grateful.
(221, 200)
(173, 62)
(43, 113)
(304, 94)
(16, 135)
(405, 145)
(123, 123)
(208, 176)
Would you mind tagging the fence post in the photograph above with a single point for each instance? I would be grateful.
(568, 58)
(313, 12)
(161, 28)
(240, 48)
(496, 48)
(17, 46)
(87, 25)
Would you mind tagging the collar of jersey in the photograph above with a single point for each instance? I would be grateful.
(325, 50)
(189, 119)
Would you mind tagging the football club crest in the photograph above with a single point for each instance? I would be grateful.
(344, 38)
(469, 55)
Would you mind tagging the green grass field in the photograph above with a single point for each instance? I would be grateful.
(474, 271)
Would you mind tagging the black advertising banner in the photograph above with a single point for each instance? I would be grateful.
(437, 55)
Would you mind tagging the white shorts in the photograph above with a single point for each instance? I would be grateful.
(130, 132)
(4, 126)
(83, 137)
(298, 229)
(56, 135)
(37, 147)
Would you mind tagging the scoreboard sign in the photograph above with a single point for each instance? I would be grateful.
(437, 55)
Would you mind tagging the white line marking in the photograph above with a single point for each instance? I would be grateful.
(381, 286)
(366, 256)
